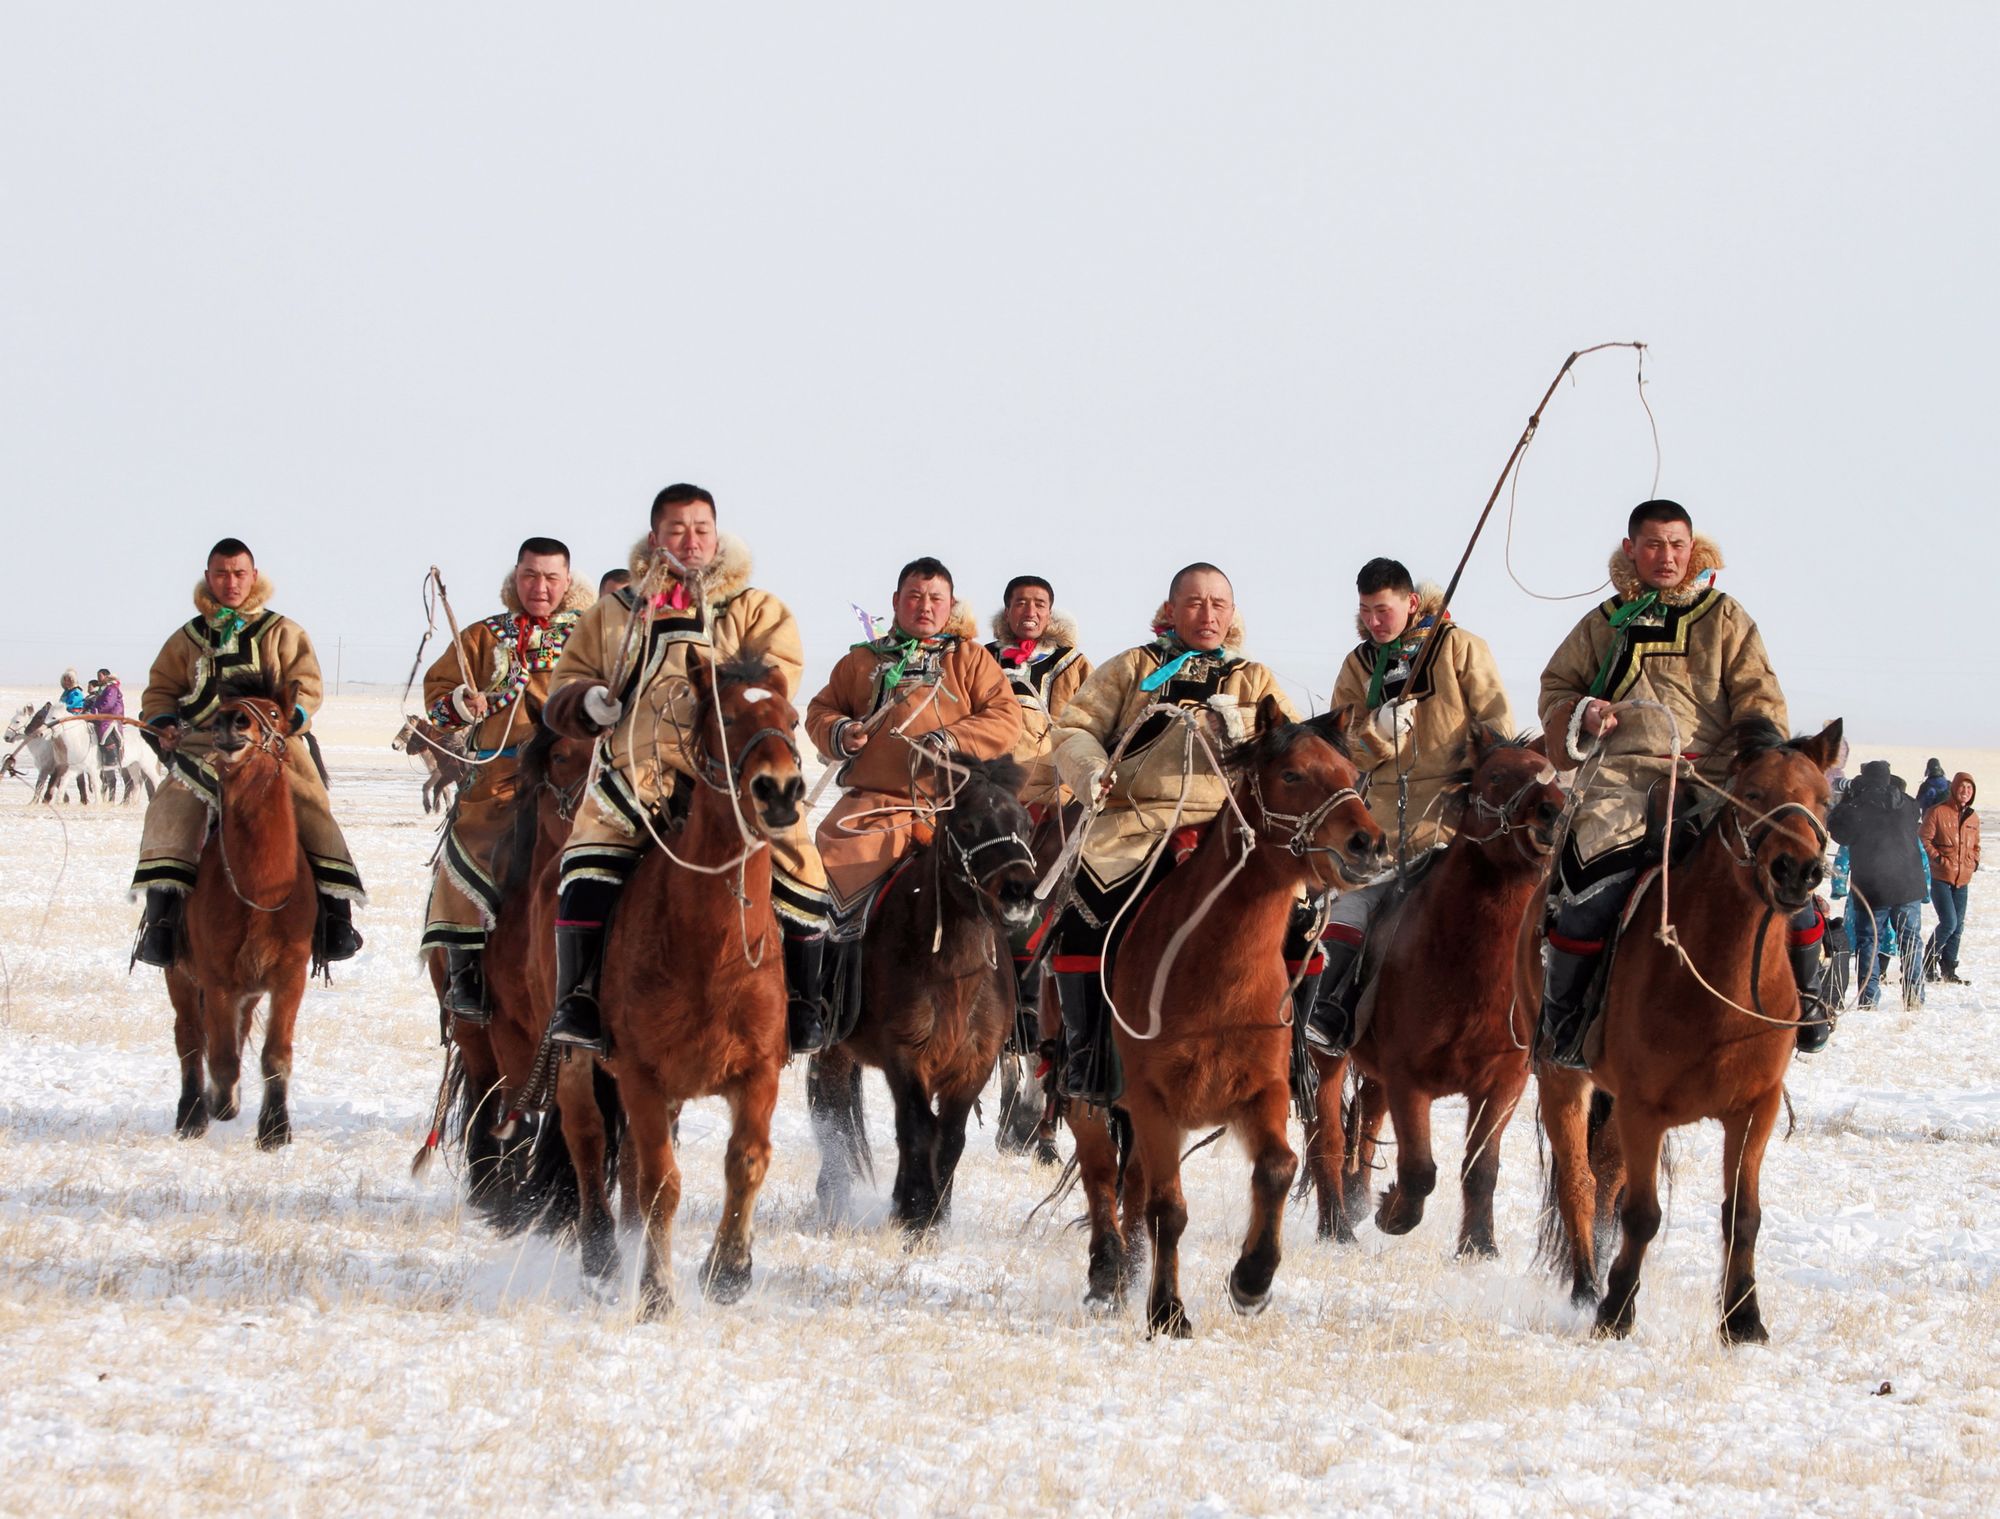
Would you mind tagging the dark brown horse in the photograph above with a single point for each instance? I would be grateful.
(249, 921)
(1676, 1050)
(1204, 1007)
(1027, 1120)
(1438, 1015)
(693, 989)
(936, 995)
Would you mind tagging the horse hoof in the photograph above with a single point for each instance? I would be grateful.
(223, 1106)
(1246, 1304)
(1171, 1320)
(1478, 1249)
(193, 1123)
(655, 1302)
(1393, 1218)
(1102, 1302)
(274, 1134)
(726, 1284)
(602, 1290)
(1751, 1332)
(1046, 1154)
(1610, 1324)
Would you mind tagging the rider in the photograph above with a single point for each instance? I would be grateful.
(624, 671)
(1667, 636)
(895, 712)
(74, 697)
(107, 698)
(1424, 729)
(235, 634)
(510, 656)
(1194, 663)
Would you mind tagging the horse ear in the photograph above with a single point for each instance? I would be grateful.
(774, 680)
(701, 677)
(1483, 739)
(1270, 715)
(291, 697)
(1823, 749)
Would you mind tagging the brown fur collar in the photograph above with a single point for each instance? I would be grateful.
(728, 577)
(1060, 633)
(1625, 577)
(1430, 601)
(1163, 622)
(577, 598)
(255, 602)
(960, 625)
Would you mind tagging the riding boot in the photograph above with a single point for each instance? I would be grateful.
(465, 985)
(1566, 979)
(1092, 1072)
(337, 937)
(805, 992)
(1337, 993)
(160, 927)
(1818, 1005)
(578, 1024)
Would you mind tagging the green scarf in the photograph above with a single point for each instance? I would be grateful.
(227, 622)
(1620, 616)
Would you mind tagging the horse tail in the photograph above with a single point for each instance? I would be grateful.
(1120, 1124)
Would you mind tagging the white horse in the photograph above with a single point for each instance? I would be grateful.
(57, 751)
(137, 766)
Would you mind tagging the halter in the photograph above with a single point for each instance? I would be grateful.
(1022, 854)
(1503, 813)
(1765, 825)
(710, 765)
(1303, 824)
(270, 737)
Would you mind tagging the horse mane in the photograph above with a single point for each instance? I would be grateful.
(1272, 743)
(1460, 778)
(253, 685)
(1756, 736)
(1005, 772)
(745, 671)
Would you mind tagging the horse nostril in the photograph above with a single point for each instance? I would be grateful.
(1548, 812)
(1364, 846)
(795, 789)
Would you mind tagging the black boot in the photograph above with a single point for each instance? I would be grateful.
(1027, 1007)
(337, 937)
(1336, 994)
(1092, 1072)
(1818, 1008)
(1566, 981)
(465, 985)
(1951, 974)
(805, 991)
(160, 927)
(577, 1023)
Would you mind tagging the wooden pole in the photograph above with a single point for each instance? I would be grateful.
(451, 621)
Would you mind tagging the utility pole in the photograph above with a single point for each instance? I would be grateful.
(339, 653)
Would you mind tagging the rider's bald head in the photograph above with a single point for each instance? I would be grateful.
(1199, 567)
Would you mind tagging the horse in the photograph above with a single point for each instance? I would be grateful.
(56, 749)
(445, 768)
(936, 994)
(249, 920)
(1202, 966)
(1027, 1122)
(1438, 1015)
(1699, 1021)
(136, 767)
(692, 989)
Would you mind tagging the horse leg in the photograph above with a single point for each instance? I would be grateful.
(225, 1052)
(915, 1197)
(1744, 1136)
(650, 1131)
(1326, 1152)
(1272, 1167)
(1640, 1136)
(954, 1112)
(1097, 1173)
(1369, 1109)
(1402, 1205)
(1564, 1097)
(1158, 1144)
(584, 1137)
(726, 1276)
(1489, 1110)
(191, 1045)
(833, 1100)
(274, 1118)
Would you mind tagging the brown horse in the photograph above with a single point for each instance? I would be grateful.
(249, 921)
(1675, 1050)
(693, 989)
(1220, 1051)
(1439, 1016)
(936, 995)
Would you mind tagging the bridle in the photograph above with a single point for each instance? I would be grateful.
(1505, 823)
(270, 740)
(732, 774)
(967, 854)
(1304, 825)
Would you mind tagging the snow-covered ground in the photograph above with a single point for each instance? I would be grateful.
(203, 1328)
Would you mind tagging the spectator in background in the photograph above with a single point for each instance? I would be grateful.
(1878, 820)
(1950, 836)
(73, 694)
(108, 697)
(1934, 788)
(612, 580)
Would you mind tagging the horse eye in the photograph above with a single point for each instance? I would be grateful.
(1291, 777)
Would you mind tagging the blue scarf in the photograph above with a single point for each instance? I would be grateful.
(1172, 667)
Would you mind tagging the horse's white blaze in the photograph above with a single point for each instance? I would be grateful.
(756, 693)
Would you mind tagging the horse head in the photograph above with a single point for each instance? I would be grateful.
(251, 720)
(401, 742)
(743, 738)
(1305, 793)
(1511, 800)
(1774, 815)
(985, 833)
(17, 727)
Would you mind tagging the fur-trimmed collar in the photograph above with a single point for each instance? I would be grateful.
(1059, 634)
(1163, 622)
(1430, 601)
(579, 597)
(728, 577)
(255, 602)
(961, 625)
(1705, 559)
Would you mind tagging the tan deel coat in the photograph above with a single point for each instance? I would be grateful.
(1044, 687)
(1697, 654)
(188, 671)
(1154, 776)
(501, 672)
(1460, 687)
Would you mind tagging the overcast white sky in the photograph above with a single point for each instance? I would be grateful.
(1088, 291)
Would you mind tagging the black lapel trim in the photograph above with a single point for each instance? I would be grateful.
(1645, 639)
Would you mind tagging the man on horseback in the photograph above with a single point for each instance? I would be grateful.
(1667, 636)
(1424, 726)
(624, 672)
(510, 657)
(1164, 780)
(234, 634)
(895, 714)
(1036, 647)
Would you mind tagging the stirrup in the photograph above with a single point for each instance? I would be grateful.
(565, 1035)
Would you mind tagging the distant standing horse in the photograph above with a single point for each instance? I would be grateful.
(936, 996)
(1205, 956)
(444, 763)
(1676, 1051)
(1439, 1014)
(249, 921)
(56, 749)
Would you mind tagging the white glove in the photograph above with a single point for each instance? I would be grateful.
(1094, 781)
(601, 707)
(1394, 720)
